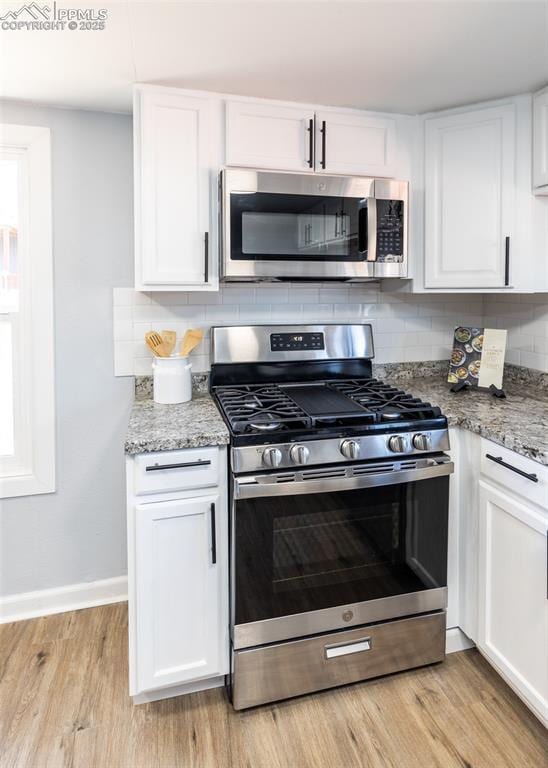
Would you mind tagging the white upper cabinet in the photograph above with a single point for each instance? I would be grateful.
(300, 138)
(540, 142)
(355, 144)
(470, 180)
(175, 154)
(269, 136)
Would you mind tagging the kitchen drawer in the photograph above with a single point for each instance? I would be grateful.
(169, 471)
(274, 672)
(508, 477)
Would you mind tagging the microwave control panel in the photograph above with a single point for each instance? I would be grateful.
(389, 230)
(291, 342)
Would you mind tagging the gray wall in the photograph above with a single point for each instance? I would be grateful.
(78, 533)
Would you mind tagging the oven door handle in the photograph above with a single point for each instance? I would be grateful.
(291, 484)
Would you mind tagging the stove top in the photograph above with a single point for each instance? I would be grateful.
(259, 413)
(305, 395)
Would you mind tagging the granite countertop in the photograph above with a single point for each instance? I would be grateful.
(155, 427)
(518, 422)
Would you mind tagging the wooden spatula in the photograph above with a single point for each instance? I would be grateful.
(156, 344)
(190, 340)
(169, 338)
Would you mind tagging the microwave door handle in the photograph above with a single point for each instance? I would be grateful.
(371, 229)
(362, 229)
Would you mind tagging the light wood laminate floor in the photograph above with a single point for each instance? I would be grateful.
(64, 702)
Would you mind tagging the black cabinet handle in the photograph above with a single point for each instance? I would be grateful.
(206, 257)
(183, 465)
(498, 460)
(213, 536)
(310, 130)
(506, 261)
(323, 131)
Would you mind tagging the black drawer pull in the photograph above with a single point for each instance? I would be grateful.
(213, 536)
(498, 460)
(206, 257)
(184, 465)
(506, 261)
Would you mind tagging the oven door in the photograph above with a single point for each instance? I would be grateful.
(284, 226)
(319, 550)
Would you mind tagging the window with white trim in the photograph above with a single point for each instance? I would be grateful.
(27, 418)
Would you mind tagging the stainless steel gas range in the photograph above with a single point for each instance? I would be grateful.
(339, 512)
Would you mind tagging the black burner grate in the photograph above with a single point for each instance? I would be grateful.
(256, 408)
(386, 402)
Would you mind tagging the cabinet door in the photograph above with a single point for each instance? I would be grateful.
(180, 592)
(513, 605)
(540, 142)
(355, 144)
(469, 197)
(269, 136)
(172, 191)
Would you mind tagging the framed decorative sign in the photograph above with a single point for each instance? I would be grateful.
(477, 358)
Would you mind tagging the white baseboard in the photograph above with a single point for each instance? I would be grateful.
(456, 640)
(29, 605)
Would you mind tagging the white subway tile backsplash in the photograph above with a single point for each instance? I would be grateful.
(347, 312)
(526, 320)
(276, 295)
(220, 314)
(123, 323)
(406, 327)
(304, 296)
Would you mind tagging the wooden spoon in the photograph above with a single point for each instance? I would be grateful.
(169, 338)
(156, 344)
(191, 340)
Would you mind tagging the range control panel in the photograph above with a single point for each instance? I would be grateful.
(290, 342)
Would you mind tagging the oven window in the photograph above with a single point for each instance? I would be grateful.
(300, 553)
(269, 226)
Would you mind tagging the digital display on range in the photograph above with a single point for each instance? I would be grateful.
(290, 342)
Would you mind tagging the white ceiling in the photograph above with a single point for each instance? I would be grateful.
(396, 56)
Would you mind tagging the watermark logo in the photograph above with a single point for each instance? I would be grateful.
(32, 12)
(33, 16)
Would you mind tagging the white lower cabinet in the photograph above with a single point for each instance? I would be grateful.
(178, 588)
(178, 591)
(513, 604)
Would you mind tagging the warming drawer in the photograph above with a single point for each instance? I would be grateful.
(279, 671)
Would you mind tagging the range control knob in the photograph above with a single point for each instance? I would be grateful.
(422, 442)
(350, 449)
(299, 454)
(272, 457)
(397, 444)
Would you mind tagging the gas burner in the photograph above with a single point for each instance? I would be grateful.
(387, 413)
(265, 422)
(257, 408)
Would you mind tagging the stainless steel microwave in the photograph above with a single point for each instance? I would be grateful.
(290, 226)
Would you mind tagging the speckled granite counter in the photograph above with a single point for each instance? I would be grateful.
(154, 427)
(519, 422)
